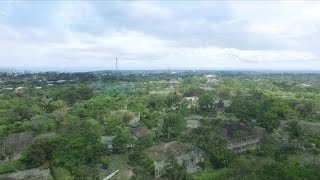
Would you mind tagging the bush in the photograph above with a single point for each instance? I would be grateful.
(84, 172)
(104, 162)
(10, 166)
(213, 174)
(39, 153)
(60, 173)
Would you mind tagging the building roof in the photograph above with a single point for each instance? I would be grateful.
(226, 103)
(107, 140)
(232, 128)
(193, 123)
(165, 150)
(139, 132)
(20, 141)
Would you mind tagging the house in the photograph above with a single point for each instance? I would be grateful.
(19, 88)
(193, 121)
(8, 88)
(210, 76)
(240, 138)
(193, 101)
(212, 81)
(16, 143)
(226, 103)
(134, 122)
(107, 140)
(139, 132)
(285, 143)
(60, 81)
(184, 154)
(174, 81)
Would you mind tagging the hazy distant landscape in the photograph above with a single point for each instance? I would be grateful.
(164, 90)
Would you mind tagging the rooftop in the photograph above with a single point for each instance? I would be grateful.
(165, 150)
(139, 132)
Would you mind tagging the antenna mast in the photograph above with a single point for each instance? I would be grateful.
(117, 64)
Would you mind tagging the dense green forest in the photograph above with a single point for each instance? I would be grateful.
(243, 125)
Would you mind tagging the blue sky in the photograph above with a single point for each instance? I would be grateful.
(160, 35)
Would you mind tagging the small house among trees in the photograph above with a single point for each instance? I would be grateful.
(240, 137)
(184, 154)
(107, 140)
(15, 143)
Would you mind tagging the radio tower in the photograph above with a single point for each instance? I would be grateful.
(117, 64)
(117, 70)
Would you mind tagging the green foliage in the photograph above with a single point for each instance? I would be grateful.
(176, 172)
(84, 172)
(209, 139)
(223, 173)
(104, 160)
(120, 142)
(74, 93)
(144, 167)
(295, 131)
(81, 113)
(54, 105)
(256, 107)
(40, 153)
(10, 166)
(81, 148)
(60, 173)
(206, 102)
(286, 171)
(172, 124)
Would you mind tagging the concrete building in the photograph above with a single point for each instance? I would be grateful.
(107, 140)
(184, 154)
(241, 138)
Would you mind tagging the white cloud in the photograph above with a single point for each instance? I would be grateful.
(281, 19)
(143, 9)
(257, 36)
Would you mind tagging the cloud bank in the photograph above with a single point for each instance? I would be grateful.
(161, 35)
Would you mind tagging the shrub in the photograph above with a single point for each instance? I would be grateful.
(104, 162)
(10, 166)
(60, 173)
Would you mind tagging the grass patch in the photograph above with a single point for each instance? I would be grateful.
(213, 174)
(117, 162)
(10, 166)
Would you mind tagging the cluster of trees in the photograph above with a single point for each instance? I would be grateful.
(78, 114)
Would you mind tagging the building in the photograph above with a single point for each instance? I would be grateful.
(16, 143)
(226, 103)
(285, 143)
(107, 140)
(193, 121)
(212, 81)
(193, 102)
(241, 138)
(184, 154)
(134, 122)
(139, 132)
(174, 81)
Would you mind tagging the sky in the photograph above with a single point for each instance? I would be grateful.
(218, 35)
